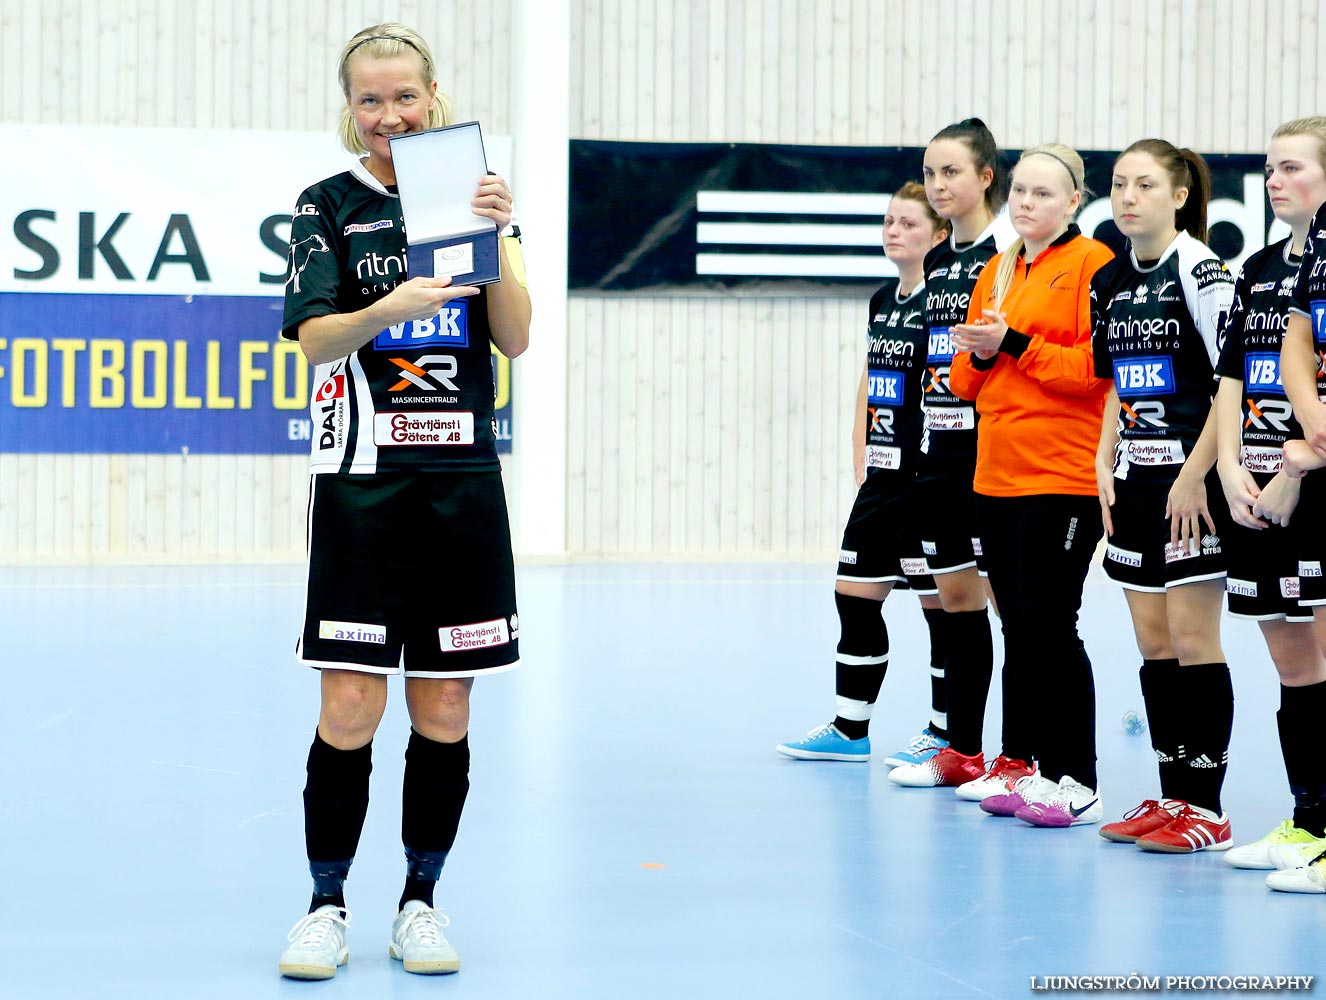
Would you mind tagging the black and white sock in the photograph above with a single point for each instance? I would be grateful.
(862, 660)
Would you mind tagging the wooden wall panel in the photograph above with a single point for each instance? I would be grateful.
(746, 408)
(707, 426)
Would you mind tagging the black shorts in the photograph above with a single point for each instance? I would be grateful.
(946, 505)
(1139, 556)
(411, 571)
(1263, 582)
(881, 543)
(1311, 540)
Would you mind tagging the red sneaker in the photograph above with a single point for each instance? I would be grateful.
(1188, 832)
(948, 767)
(1146, 818)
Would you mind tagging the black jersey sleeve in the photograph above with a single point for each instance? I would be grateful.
(1100, 346)
(1314, 250)
(312, 274)
(1233, 343)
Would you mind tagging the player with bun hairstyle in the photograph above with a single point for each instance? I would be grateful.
(881, 548)
(386, 454)
(1158, 314)
(1026, 361)
(964, 183)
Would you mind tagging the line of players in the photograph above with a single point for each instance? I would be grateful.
(1149, 397)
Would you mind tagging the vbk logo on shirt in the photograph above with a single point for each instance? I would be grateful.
(450, 328)
(1319, 320)
(884, 387)
(1144, 376)
(941, 344)
(1262, 371)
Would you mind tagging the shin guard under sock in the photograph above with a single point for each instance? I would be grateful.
(862, 660)
(437, 780)
(1302, 709)
(934, 620)
(335, 804)
(967, 677)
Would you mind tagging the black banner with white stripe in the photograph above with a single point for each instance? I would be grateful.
(792, 220)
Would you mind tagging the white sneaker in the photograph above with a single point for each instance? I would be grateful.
(317, 944)
(1297, 846)
(1287, 857)
(416, 940)
(1310, 877)
(1071, 804)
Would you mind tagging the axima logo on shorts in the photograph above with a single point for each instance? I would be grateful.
(480, 635)
(449, 328)
(353, 632)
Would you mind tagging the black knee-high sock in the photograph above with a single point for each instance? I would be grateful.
(1302, 710)
(1159, 697)
(437, 780)
(934, 620)
(335, 803)
(1205, 723)
(863, 658)
(967, 677)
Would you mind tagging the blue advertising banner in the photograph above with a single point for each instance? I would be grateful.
(154, 374)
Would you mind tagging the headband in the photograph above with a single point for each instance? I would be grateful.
(374, 38)
(1046, 152)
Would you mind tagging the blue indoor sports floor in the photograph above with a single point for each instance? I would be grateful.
(630, 832)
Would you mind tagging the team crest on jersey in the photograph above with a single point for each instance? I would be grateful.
(449, 328)
(300, 255)
(1163, 293)
(974, 269)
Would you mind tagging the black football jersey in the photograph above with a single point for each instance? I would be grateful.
(419, 395)
(895, 364)
(949, 430)
(1251, 353)
(1309, 294)
(1156, 333)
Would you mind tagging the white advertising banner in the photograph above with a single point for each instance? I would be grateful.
(159, 211)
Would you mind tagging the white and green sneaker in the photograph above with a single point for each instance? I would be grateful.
(317, 944)
(417, 941)
(1260, 856)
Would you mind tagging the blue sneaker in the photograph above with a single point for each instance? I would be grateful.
(826, 743)
(919, 750)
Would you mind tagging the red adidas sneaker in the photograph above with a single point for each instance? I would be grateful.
(1146, 818)
(1189, 832)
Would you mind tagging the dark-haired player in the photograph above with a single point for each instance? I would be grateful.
(1158, 313)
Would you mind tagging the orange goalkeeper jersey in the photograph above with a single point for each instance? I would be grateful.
(1040, 401)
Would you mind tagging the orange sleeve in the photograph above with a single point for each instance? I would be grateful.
(1071, 370)
(963, 379)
